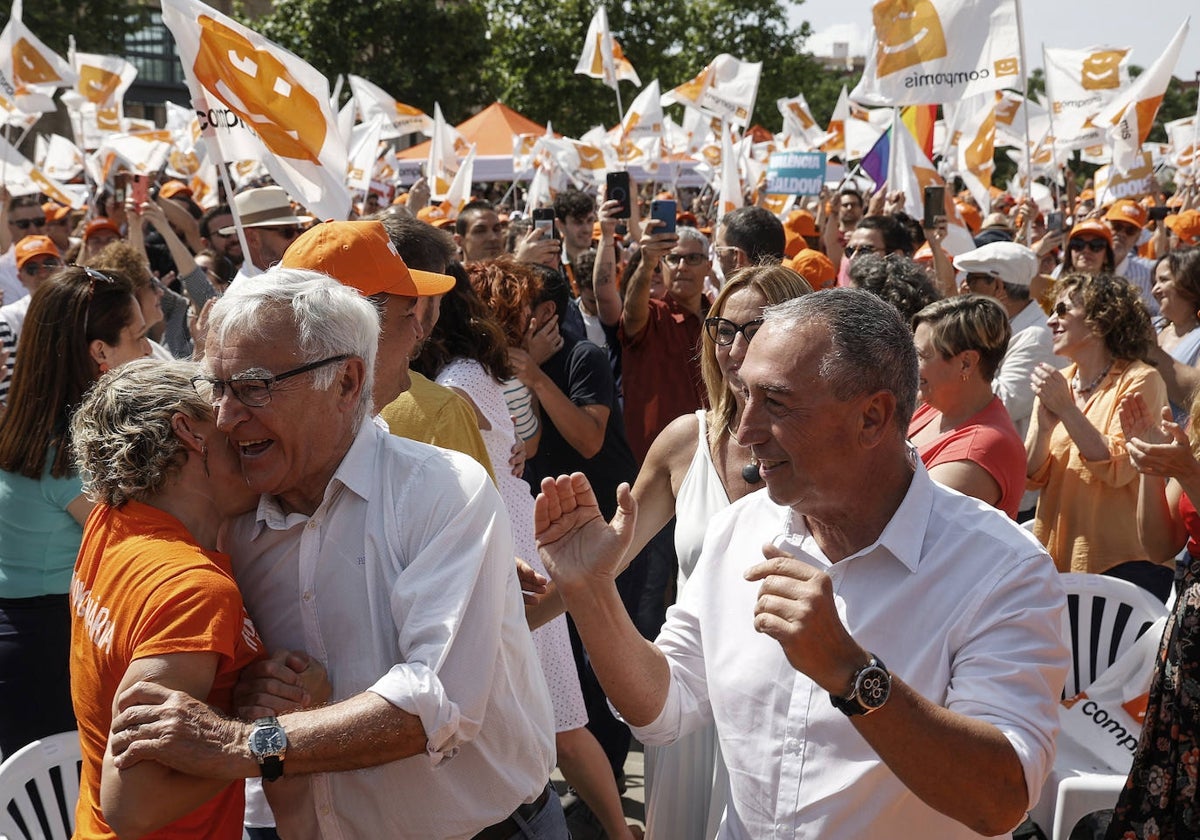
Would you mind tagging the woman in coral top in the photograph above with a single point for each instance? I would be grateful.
(962, 431)
(151, 598)
(1086, 516)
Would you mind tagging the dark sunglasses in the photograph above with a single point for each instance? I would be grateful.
(42, 266)
(1093, 245)
(94, 277)
(26, 224)
(853, 251)
(287, 232)
(1061, 308)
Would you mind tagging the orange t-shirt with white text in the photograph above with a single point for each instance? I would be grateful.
(143, 587)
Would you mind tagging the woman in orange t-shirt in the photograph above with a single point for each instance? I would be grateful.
(151, 598)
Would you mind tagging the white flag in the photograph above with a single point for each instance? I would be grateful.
(602, 56)
(399, 119)
(912, 172)
(364, 151)
(460, 190)
(731, 182)
(976, 150)
(21, 177)
(445, 147)
(103, 81)
(1079, 83)
(262, 103)
(933, 51)
(1129, 117)
(1182, 136)
(726, 89)
(58, 157)
(798, 122)
(29, 70)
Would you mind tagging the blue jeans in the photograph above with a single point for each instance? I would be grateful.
(549, 824)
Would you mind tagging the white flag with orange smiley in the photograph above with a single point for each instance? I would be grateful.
(261, 102)
(933, 51)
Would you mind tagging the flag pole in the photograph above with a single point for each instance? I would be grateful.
(1025, 112)
(891, 173)
(620, 107)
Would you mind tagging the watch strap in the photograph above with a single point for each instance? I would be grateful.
(852, 705)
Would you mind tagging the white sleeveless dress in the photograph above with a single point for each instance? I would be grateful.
(686, 782)
(551, 641)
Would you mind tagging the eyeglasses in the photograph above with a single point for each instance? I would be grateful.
(723, 331)
(26, 224)
(42, 267)
(287, 231)
(253, 391)
(853, 251)
(1061, 308)
(1093, 245)
(674, 260)
(724, 251)
(93, 276)
(1125, 229)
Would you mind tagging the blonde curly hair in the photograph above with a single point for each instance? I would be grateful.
(125, 446)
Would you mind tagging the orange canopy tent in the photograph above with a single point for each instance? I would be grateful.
(492, 131)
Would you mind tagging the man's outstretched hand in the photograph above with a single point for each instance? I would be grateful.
(578, 547)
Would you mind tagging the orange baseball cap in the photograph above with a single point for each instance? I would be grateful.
(361, 255)
(971, 216)
(1094, 227)
(35, 246)
(1186, 226)
(1129, 211)
(814, 267)
(174, 188)
(55, 211)
(436, 215)
(98, 224)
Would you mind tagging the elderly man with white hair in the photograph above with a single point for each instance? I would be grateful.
(1007, 271)
(389, 561)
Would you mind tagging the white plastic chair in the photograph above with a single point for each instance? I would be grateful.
(1105, 616)
(39, 786)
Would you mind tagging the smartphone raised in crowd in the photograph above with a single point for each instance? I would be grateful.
(140, 190)
(935, 204)
(1054, 221)
(1159, 212)
(617, 189)
(664, 211)
(543, 219)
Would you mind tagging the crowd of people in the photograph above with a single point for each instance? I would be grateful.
(361, 528)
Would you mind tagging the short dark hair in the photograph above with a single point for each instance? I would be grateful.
(210, 214)
(756, 231)
(896, 279)
(422, 246)
(895, 237)
(476, 206)
(847, 190)
(554, 287)
(573, 203)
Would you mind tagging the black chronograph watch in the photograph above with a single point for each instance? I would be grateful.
(268, 745)
(872, 685)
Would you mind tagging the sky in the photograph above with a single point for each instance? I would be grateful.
(1074, 24)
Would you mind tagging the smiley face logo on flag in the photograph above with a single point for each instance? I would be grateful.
(909, 32)
(30, 66)
(806, 122)
(97, 84)
(1102, 70)
(257, 86)
(590, 157)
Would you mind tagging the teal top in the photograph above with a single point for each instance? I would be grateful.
(39, 540)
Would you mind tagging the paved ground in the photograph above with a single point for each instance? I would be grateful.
(583, 826)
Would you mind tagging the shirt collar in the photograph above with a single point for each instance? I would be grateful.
(354, 473)
(904, 535)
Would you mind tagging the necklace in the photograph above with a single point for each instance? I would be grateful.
(750, 472)
(1091, 386)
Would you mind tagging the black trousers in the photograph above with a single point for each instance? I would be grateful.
(35, 677)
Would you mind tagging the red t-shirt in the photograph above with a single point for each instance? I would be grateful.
(1191, 521)
(989, 439)
(143, 587)
(660, 373)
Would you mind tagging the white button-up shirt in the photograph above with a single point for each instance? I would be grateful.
(955, 599)
(402, 583)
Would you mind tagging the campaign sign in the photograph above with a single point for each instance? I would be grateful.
(795, 173)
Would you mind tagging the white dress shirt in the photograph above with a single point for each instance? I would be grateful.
(956, 600)
(10, 278)
(402, 583)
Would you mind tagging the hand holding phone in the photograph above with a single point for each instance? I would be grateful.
(935, 204)
(617, 189)
(140, 192)
(663, 210)
(543, 220)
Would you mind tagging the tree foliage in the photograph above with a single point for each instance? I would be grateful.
(417, 50)
(99, 26)
(537, 43)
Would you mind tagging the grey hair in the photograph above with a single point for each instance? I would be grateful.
(688, 233)
(330, 320)
(871, 347)
(125, 447)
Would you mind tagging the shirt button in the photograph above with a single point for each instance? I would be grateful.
(792, 745)
(313, 523)
(306, 597)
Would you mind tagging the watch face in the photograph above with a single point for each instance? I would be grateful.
(874, 685)
(268, 741)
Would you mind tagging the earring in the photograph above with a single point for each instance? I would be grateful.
(104, 367)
